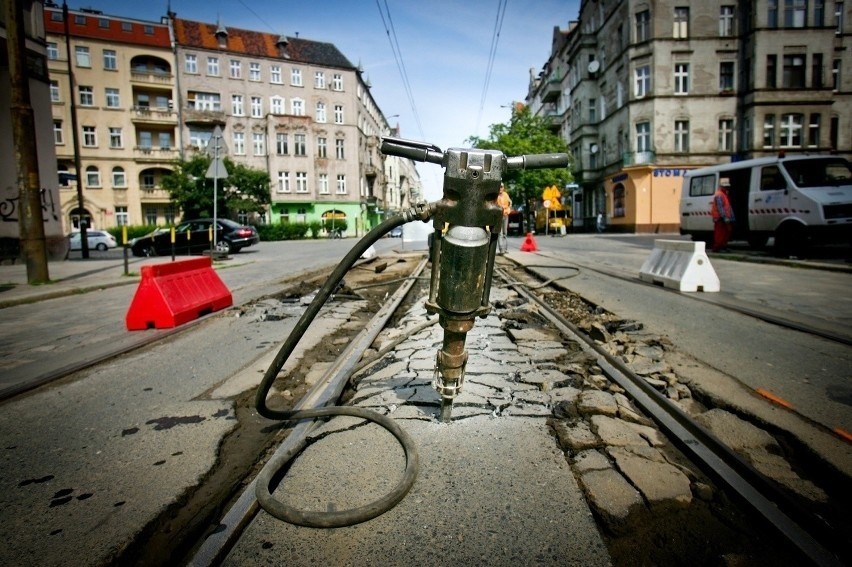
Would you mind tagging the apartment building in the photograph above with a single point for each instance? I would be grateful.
(643, 91)
(148, 93)
(36, 55)
(293, 107)
(124, 91)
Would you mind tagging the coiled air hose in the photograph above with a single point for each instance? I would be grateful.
(269, 474)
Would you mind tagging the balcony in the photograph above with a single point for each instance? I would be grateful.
(552, 89)
(147, 194)
(151, 115)
(154, 154)
(152, 78)
(209, 117)
(638, 158)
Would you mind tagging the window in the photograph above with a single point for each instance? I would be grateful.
(90, 137)
(276, 105)
(681, 136)
(93, 176)
(126, 27)
(58, 139)
(164, 139)
(835, 75)
(643, 136)
(254, 71)
(772, 13)
(87, 96)
(834, 132)
(813, 130)
(319, 80)
(283, 181)
(80, 19)
(619, 95)
(320, 113)
(642, 83)
(322, 147)
(341, 184)
(148, 180)
(794, 72)
(275, 74)
(301, 182)
(726, 75)
(103, 23)
(337, 82)
(119, 179)
(795, 13)
(190, 63)
(169, 214)
(110, 60)
(235, 69)
(112, 98)
(297, 107)
(52, 51)
(593, 111)
(116, 140)
(816, 71)
(54, 92)
(258, 145)
(82, 56)
(726, 135)
(237, 105)
(150, 216)
(681, 23)
(790, 135)
(281, 144)
(338, 114)
(643, 26)
(299, 145)
(204, 101)
(769, 131)
(338, 148)
(296, 77)
(681, 78)
(239, 143)
(146, 140)
(771, 71)
(213, 66)
(726, 21)
(122, 218)
(323, 183)
(199, 138)
(256, 107)
(819, 13)
(838, 18)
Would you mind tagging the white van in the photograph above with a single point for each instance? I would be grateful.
(796, 199)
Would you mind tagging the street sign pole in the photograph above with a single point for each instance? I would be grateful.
(216, 170)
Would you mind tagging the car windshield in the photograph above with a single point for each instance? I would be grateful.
(827, 172)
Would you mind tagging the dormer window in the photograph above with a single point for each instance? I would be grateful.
(281, 44)
(222, 36)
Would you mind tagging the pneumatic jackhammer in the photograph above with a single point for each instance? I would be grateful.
(467, 225)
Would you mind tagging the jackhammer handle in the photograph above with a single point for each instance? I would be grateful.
(418, 151)
(537, 161)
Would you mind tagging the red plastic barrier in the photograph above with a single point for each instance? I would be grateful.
(173, 293)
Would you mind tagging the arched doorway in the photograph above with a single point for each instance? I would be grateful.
(76, 215)
(334, 220)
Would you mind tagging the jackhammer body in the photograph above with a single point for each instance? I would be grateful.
(467, 225)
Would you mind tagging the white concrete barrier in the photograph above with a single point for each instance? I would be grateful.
(681, 265)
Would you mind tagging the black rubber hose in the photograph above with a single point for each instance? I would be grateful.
(267, 476)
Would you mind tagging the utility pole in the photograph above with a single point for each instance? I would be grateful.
(75, 136)
(30, 219)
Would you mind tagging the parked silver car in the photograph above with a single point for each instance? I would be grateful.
(98, 240)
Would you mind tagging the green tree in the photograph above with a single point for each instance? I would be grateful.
(245, 189)
(526, 134)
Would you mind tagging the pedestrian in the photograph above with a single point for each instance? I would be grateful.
(600, 223)
(723, 216)
(505, 203)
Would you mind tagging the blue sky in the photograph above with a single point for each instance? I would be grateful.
(445, 47)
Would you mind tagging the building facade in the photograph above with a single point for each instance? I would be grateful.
(643, 91)
(148, 93)
(127, 127)
(37, 72)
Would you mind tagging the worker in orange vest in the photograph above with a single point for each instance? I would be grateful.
(505, 203)
(723, 216)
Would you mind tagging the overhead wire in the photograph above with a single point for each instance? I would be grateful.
(492, 56)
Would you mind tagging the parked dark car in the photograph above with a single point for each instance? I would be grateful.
(194, 237)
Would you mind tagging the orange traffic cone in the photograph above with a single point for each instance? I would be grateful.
(529, 244)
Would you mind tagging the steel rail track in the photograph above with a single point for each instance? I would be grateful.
(730, 305)
(327, 390)
(806, 533)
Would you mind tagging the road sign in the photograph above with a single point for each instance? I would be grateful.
(217, 169)
(216, 145)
